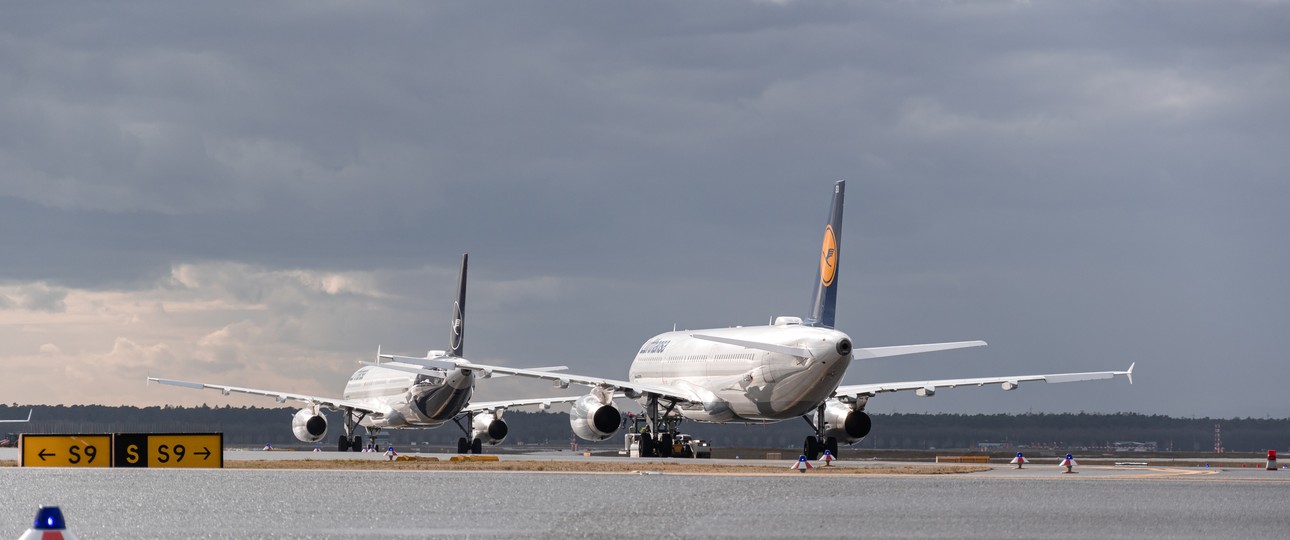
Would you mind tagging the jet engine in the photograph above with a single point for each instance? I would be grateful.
(309, 426)
(488, 428)
(845, 424)
(593, 420)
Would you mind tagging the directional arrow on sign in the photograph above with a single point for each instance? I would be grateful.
(205, 453)
(43, 455)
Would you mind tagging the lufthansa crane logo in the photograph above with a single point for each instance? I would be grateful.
(456, 325)
(828, 257)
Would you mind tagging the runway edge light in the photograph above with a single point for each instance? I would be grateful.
(1272, 460)
(1019, 460)
(801, 465)
(49, 525)
(1069, 463)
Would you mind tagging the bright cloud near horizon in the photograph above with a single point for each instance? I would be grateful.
(262, 194)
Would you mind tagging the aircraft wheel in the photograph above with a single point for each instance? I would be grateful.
(463, 447)
(647, 445)
(811, 449)
(343, 444)
(357, 444)
(477, 446)
(831, 444)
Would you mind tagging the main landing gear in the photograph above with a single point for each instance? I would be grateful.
(346, 443)
(658, 436)
(468, 444)
(816, 444)
(813, 448)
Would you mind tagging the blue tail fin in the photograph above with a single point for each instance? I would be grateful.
(824, 299)
(457, 339)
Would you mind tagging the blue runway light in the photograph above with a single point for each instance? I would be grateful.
(49, 518)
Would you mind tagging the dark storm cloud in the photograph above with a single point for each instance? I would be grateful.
(1082, 184)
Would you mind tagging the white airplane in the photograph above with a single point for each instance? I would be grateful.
(789, 369)
(18, 421)
(379, 398)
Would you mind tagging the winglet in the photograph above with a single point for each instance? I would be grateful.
(1129, 373)
(825, 296)
(29, 411)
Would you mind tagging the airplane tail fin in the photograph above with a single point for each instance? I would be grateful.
(824, 298)
(457, 337)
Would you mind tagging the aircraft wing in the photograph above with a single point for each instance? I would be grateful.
(19, 421)
(545, 403)
(282, 397)
(927, 388)
(563, 380)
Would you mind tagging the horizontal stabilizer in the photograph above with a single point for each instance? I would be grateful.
(423, 362)
(800, 352)
(432, 373)
(898, 350)
(462, 363)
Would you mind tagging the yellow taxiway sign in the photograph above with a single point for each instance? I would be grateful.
(41, 450)
(169, 450)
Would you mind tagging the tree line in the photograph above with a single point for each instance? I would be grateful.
(255, 426)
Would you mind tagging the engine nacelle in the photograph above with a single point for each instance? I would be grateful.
(593, 421)
(489, 429)
(845, 424)
(309, 426)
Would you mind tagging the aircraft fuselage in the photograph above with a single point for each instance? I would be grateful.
(742, 384)
(410, 400)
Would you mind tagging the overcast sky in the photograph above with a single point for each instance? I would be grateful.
(261, 194)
